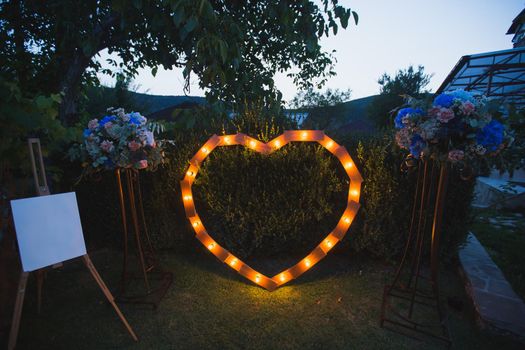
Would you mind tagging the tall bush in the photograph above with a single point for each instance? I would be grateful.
(285, 202)
(270, 204)
(255, 204)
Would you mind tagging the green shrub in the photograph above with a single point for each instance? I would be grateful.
(270, 204)
(285, 202)
(382, 223)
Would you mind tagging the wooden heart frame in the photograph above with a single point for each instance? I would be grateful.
(320, 251)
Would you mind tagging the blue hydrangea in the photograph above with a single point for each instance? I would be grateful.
(444, 100)
(417, 145)
(491, 136)
(463, 96)
(398, 121)
(107, 119)
(87, 132)
(134, 120)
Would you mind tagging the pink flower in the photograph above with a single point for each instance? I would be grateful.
(133, 146)
(107, 146)
(403, 138)
(108, 125)
(456, 155)
(93, 123)
(141, 164)
(467, 108)
(444, 115)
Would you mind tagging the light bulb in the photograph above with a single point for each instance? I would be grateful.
(349, 165)
(354, 193)
(187, 198)
(233, 262)
(195, 224)
(328, 243)
(204, 150)
(253, 144)
(347, 220)
(211, 246)
(277, 143)
(227, 140)
(189, 173)
(282, 278)
(304, 135)
(330, 144)
(257, 278)
(307, 262)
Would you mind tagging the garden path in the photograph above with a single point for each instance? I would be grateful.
(496, 303)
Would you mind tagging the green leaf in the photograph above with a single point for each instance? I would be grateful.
(223, 48)
(42, 102)
(191, 24)
(344, 19)
(56, 97)
(356, 17)
(178, 17)
(205, 8)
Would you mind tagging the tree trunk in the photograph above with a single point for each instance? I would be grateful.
(70, 82)
(70, 88)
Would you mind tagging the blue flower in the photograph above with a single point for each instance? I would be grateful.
(444, 100)
(491, 136)
(417, 145)
(406, 112)
(87, 132)
(463, 95)
(134, 120)
(107, 119)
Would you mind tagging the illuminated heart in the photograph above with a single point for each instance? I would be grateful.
(326, 244)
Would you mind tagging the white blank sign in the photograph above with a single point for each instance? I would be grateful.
(48, 230)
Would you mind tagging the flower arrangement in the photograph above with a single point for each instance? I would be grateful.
(121, 140)
(456, 126)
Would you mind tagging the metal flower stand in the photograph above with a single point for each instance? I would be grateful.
(411, 303)
(155, 279)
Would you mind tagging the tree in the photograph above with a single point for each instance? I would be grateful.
(325, 109)
(310, 98)
(393, 90)
(233, 47)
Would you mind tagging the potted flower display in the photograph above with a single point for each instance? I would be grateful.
(121, 140)
(456, 126)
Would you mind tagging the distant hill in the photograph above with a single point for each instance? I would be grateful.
(357, 109)
(354, 113)
(351, 116)
(156, 103)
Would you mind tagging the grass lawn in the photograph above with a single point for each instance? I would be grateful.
(334, 306)
(504, 242)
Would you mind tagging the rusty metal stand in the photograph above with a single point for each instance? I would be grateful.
(411, 303)
(150, 270)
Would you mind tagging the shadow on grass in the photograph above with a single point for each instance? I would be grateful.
(337, 262)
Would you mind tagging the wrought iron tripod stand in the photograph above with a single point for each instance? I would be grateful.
(150, 269)
(409, 290)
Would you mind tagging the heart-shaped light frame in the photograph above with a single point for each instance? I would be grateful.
(318, 252)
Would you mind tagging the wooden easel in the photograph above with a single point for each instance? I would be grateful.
(17, 313)
(39, 176)
(42, 190)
